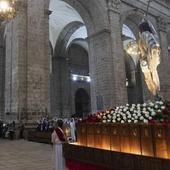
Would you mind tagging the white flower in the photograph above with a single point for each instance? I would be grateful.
(114, 117)
(135, 121)
(159, 111)
(162, 107)
(144, 109)
(119, 119)
(145, 121)
(146, 115)
(150, 118)
(136, 117)
(129, 116)
(151, 104)
(129, 121)
(114, 121)
(127, 105)
(144, 104)
(131, 109)
(139, 114)
(124, 117)
(112, 112)
(161, 103)
(104, 121)
(124, 109)
(128, 112)
(104, 117)
(109, 116)
(153, 113)
(141, 118)
(108, 120)
(156, 107)
(138, 105)
(107, 111)
(133, 114)
(122, 121)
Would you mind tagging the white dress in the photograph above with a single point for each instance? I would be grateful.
(73, 129)
(58, 159)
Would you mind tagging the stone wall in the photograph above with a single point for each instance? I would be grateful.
(27, 78)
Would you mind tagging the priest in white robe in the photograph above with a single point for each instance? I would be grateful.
(57, 138)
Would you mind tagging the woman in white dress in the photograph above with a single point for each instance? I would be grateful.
(57, 138)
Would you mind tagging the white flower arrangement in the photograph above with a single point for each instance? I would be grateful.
(134, 113)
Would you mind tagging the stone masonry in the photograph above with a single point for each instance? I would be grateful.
(27, 63)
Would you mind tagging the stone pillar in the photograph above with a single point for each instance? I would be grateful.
(107, 65)
(119, 74)
(164, 68)
(2, 73)
(60, 87)
(38, 60)
(28, 63)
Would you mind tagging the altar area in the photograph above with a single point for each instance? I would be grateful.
(131, 137)
(119, 146)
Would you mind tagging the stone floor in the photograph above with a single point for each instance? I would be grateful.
(24, 155)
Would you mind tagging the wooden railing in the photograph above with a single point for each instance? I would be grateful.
(147, 140)
(41, 137)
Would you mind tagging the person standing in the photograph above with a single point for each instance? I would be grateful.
(73, 129)
(57, 138)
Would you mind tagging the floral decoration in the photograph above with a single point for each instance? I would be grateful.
(148, 113)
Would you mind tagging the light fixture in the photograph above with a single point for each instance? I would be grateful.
(76, 77)
(7, 9)
(132, 48)
(88, 79)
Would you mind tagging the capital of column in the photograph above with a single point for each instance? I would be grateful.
(162, 24)
(114, 5)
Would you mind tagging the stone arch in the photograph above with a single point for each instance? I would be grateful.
(81, 42)
(90, 13)
(132, 22)
(60, 47)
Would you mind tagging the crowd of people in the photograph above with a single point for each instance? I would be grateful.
(46, 124)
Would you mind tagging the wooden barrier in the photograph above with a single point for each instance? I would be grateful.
(147, 140)
(109, 160)
(147, 144)
(42, 137)
(114, 137)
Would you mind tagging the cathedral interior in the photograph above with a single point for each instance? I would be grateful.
(64, 58)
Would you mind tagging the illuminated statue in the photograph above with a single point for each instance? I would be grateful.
(150, 55)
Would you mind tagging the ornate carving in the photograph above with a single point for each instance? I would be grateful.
(113, 4)
(162, 24)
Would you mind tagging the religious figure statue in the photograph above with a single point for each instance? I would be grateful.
(149, 47)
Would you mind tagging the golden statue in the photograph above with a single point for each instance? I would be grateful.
(150, 55)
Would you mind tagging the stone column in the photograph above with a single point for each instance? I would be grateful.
(2, 72)
(28, 63)
(60, 87)
(119, 74)
(38, 60)
(164, 68)
(107, 65)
